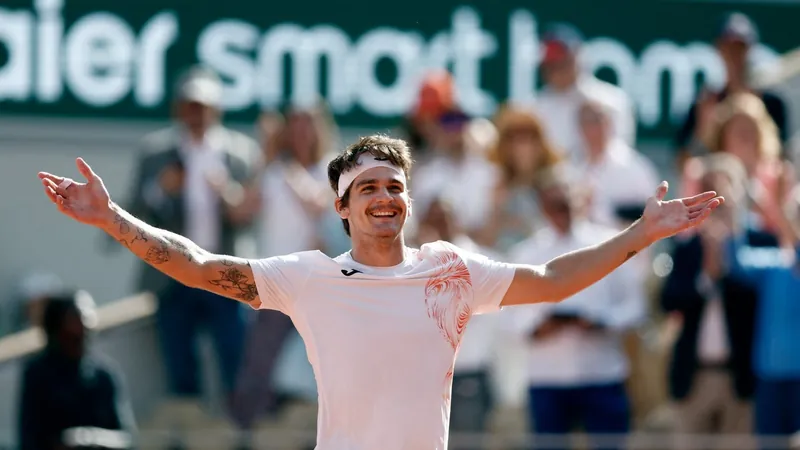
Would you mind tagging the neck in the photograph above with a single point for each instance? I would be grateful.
(379, 252)
(594, 155)
(736, 82)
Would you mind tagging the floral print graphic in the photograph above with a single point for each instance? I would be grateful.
(446, 298)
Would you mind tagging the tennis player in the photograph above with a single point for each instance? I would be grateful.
(383, 322)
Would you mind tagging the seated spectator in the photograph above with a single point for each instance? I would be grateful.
(522, 152)
(64, 388)
(710, 376)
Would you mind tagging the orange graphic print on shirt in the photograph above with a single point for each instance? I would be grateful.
(446, 298)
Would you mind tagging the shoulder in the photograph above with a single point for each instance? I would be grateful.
(595, 232)
(34, 366)
(305, 258)
(240, 145)
(758, 238)
(772, 99)
(158, 141)
(605, 92)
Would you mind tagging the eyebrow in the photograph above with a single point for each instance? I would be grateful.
(375, 181)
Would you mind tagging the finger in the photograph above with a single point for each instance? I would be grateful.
(700, 218)
(45, 175)
(51, 194)
(59, 189)
(699, 198)
(712, 204)
(705, 204)
(85, 170)
(662, 189)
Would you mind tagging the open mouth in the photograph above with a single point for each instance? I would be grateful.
(383, 214)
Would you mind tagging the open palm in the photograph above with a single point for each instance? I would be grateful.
(663, 219)
(85, 202)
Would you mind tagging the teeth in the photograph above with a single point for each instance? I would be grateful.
(383, 214)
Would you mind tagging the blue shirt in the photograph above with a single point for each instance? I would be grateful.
(775, 275)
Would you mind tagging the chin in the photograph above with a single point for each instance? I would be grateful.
(386, 232)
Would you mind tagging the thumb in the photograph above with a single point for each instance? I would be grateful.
(85, 170)
(661, 191)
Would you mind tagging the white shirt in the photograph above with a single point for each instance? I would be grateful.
(285, 225)
(622, 177)
(558, 111)
(201, 160)
(383, 341)
(479, 342)
(574, 357)
(712, 343)
(467, 185)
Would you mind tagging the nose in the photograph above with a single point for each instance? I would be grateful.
(383, 195)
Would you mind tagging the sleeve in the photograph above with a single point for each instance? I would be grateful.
(122, 408)
(490, 281)
(626, 119)
(679, 292)
(280, 280)
(31, 416)
(686, 131)
(628, 302)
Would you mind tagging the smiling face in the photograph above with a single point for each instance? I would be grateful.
(377, 204)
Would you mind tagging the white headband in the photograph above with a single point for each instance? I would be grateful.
(365, 162)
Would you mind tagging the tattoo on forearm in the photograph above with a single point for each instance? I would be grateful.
(234, 280)
(630, 255)
(124, 226)
(140, 236)
(157, 254)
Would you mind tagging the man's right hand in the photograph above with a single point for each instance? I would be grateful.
(87, 203)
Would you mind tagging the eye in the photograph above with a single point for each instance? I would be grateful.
(367, 189)
(396, 188)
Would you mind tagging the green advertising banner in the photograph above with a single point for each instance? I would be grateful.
(90, 58)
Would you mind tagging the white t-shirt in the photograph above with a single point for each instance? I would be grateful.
(383, 341)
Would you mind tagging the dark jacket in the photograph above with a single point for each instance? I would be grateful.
(680, 294)
(58, 395)
(147, 202)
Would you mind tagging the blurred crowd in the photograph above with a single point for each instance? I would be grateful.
(528, 184)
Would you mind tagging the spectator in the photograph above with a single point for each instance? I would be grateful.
(617, 178)
(710, 377)
(460, 176)
(436, 96)
(65, 388)
(742, 127)
(577, 365)
(737, 36)
(294, 210)
(190, 180)
(773, 273)
(522, 152)
(567, 87)
(34, 292)
(472, 394)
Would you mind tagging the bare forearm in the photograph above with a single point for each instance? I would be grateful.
(172, 254)
(577, 270)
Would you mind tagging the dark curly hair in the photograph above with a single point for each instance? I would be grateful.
(394, 150)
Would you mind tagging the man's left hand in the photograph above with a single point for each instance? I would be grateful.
(665, 218)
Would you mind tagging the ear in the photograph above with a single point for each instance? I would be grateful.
(343, 211)
(410, 208)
